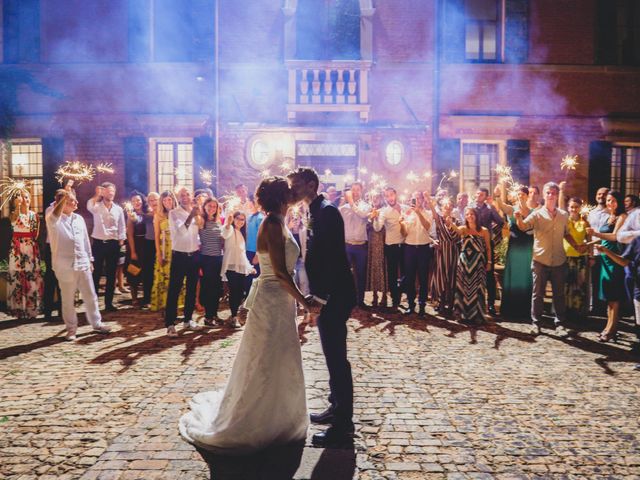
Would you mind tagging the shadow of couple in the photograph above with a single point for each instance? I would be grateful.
(292, 461)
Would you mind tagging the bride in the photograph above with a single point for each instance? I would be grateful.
(264, 402)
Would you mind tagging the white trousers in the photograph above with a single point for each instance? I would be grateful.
(70, 282)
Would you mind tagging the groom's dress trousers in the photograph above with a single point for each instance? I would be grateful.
(71, 261)
(109, 229)
(185, 263)
(355, 217)
(389, 218)
(330, 279)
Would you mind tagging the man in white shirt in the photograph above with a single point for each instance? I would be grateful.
(185, 261)
(355, 213)
(389, 218)
(417, 252)
(109, 234)
(71, 259)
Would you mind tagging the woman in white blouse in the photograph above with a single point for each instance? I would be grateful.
(235, 266)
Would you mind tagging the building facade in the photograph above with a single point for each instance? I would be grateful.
(407, 90)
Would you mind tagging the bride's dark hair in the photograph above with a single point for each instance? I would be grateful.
(272, 194)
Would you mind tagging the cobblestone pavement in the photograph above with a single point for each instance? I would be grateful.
(433, 400)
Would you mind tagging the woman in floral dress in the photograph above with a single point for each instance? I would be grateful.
(25, 283)
(163, 253)
(376, 264)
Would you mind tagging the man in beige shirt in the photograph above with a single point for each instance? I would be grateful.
(549, 224)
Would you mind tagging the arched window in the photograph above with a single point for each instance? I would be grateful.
(328, 30)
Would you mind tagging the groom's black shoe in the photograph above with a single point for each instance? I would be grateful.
(334, 436)
(324, 418)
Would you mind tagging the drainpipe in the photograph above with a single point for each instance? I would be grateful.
(216, 140)
(435, 124)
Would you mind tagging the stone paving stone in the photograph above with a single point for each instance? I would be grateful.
(432, 400)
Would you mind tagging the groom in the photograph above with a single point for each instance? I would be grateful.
(331, 285)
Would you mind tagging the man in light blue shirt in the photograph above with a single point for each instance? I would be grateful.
(254, 220)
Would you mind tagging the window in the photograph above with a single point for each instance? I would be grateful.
(479, 161)
(394, 153)
(328, 30)
(174, 165)
(261, 153)
(625, 169)
(25, 162)
(21, 31)
(618, 32)
(482, 33)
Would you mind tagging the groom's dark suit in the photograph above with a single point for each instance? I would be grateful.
(330, 279)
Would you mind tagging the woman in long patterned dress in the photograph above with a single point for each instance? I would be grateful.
(611, 274)
(471, 280)
(443, 280)
(376, 264)
(25, 286)
(517, 281)
(577, 287)
(163, 253)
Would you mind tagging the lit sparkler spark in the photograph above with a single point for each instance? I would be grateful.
(512, 193)
(286, 166)
(586, 209)
(412, 177)
(295, 211)
(128, 207)
(403, 198)
(10, 188)
(349, 178)
(504, 174)
(265, 173)
(363, 170)
(427, 174)
(105, 168)
(232, 204)
(570, 162)
(206, 176)
(327, 172)
(180, 173)
(77, 171)
(447, 177)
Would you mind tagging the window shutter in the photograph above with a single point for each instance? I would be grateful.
(519, 159)
(21, 26)
(599, 167)
(606, 37)
(516, 47)
(203, 157)
(452, 42)
(52, 158)
(447, 159)
(136, 168)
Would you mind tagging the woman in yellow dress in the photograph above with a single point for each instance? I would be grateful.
(163, 252)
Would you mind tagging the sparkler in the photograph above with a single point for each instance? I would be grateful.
(180, 174)
(349, 178)
(327, 172)
(286, 166)
(105, 168)
(504, 174)
(206, 176)
(569, 162)
(265, 173)
(128, 207)
(10, 188)
(515, 187)
(427, 174)
(363, 170)
(586, 209)
(77, 171)
(447, 177)
(412, 177)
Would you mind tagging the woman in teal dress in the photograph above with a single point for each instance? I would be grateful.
(611, 274)
(517, 282)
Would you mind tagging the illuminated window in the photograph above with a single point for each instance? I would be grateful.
(625, 169)
(394, 153)
(25, 162)
(481, 30)
(479, 161)
(174, 165)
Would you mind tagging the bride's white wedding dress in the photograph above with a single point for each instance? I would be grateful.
(264, 402)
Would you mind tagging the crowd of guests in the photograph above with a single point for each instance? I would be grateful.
(179, 249)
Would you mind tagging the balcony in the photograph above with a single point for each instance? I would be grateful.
(328, 86)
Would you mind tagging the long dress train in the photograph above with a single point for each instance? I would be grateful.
(264, 402)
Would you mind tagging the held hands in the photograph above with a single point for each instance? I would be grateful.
(374, 214)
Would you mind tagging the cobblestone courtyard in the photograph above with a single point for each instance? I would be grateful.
(433, 400)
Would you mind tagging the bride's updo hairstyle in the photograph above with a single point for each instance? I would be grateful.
(272, 194)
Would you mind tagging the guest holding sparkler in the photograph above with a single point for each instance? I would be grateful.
(162, 266)
(211, 245)
(611, 273)
(109, 234)
(355, 213)
(447, 253)
(474, 264)
(25, 286)
(136, 228)
(376, 265)
(149, 250)
(577, 287)
(517, 282)
(235, 266)
(389, 218)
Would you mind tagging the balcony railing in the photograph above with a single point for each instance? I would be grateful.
(328, 86)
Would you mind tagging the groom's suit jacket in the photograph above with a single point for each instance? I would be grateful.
(326, 262)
